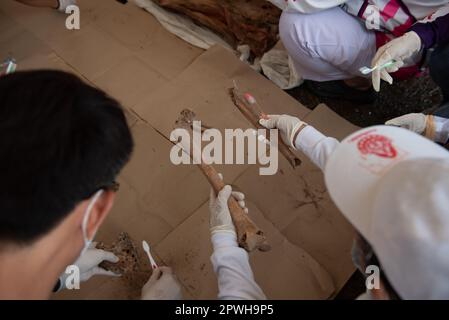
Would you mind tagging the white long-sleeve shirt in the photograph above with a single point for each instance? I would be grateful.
(231, 265)
(316, 146)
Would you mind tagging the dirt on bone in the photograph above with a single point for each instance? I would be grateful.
(251, 22)
(133, 264)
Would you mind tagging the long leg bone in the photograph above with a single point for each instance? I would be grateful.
(249, 236)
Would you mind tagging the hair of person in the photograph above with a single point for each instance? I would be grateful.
(369, 258)
(61, 140)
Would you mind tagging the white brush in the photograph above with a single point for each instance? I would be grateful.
(146, 248)
(365, 70)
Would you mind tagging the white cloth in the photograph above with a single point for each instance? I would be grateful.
(327, 45)
(182, 26)
(276, 64)
(231, 264)
(280, 68)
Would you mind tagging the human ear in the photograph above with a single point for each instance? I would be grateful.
(100, 211)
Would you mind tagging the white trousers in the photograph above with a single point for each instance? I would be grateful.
(327, 45)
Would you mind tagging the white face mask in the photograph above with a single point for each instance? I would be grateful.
(87, 241)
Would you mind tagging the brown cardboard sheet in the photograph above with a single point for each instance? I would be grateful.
(129, 81)
(330, 123)
(297, 203)
(170, 192)
(122, 50)
(203, 87)
(286, 272)
(109, 33)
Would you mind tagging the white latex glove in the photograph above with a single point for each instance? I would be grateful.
(162, 285)
(88, 264)
(220, 217)
(288, 125)
(416, 122)
(398, 49)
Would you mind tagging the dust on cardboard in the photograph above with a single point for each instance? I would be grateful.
(133, 265)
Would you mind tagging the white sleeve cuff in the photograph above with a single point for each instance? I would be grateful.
(308, 138)
(224, 239)
(441, 129)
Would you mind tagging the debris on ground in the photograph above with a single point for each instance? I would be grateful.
(133, 264)
(414, 95)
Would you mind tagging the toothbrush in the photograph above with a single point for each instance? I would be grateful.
(366, 70)
(146, 248)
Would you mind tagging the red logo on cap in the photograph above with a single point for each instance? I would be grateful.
(378, 145)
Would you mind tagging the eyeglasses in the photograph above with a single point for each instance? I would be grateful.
(113, 186)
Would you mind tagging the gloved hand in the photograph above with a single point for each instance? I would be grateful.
(288, 125)
(427, 126)
(220, 217)
(416, 122)
(88, 264)
(398, 49)
(162, 285)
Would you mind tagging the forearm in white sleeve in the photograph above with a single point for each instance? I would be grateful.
(231, 265)
(316, 146)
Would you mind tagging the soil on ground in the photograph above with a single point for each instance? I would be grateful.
(414, 95)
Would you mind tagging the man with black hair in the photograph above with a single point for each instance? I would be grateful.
(62, 145)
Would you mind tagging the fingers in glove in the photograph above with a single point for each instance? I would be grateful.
(166, 270)
(212, 195)
(96, 271)
(157, 273)
(395, 67)
(108, 256)
(271, 122)
(225, 194)
(240, 198)
(98, 256)
(393, 122)
(379, 55)
(386, 76)
(212, 198)
(376, 80)
(102, 272)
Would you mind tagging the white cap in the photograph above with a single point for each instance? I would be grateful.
(393, 186)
